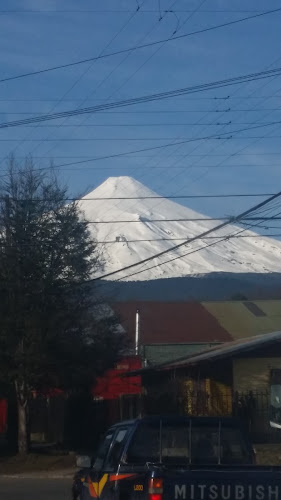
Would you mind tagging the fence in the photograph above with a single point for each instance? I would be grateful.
(86, 420)
(253, 408)
(46, 419)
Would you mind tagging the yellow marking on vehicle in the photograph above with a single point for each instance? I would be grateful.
(138, 487)
(98, 486)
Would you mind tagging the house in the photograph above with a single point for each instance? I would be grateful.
(234, 378)
(169, 330)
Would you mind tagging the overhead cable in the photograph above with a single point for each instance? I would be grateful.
(150, 44)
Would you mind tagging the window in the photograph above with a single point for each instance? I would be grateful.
(182, 444)
(103, 450)
(116, 449)
(254, 309)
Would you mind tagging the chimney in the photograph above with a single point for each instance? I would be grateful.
(137, 337)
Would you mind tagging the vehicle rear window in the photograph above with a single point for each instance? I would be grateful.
(209, 444)
(145, 445)
(185, 443)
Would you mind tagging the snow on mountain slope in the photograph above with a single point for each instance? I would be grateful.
(239, 255)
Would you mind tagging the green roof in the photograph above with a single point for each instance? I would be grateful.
(161, 353)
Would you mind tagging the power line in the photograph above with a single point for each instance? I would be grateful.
(195, 162)
(232, 220)
(123, 11)
(177, 172)
(150, 44)
(238, 165)
(147, 98)
(151, 167)
(135, 139)
(112, 39)
(256, 138)
(151, 156)
(156, 111)
(83, 101)
(195, 219)
(154, 240)
(129, 125)
(213, 98)
(184, 219)
(167, 197)
(127, 55)
(225, 238)
(178, 257)
(149, 112)
(142, 40)
(175, 163)
(187, 196)
(116, 155)
(264, 117)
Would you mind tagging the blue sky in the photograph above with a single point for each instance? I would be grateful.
(54, 32)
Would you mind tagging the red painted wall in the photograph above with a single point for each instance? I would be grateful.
(112, 384)
(109, 387)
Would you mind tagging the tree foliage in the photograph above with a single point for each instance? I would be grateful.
(53, 330)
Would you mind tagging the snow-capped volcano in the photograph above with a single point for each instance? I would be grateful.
(122, 243)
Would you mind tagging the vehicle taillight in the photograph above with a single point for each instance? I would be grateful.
(155, 489)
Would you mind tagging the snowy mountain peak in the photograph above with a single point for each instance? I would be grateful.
(130, 230)
(123, 186)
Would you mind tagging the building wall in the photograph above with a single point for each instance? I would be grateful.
(253, 374)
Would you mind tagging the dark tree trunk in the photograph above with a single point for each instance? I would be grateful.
(22, 420)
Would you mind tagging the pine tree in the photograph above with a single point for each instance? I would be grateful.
(53, 330)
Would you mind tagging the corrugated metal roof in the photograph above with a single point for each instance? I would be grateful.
(222, 351)
(244, 319)
(171, 322)
(229, 349)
